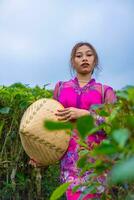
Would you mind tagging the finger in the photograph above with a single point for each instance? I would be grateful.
(65, 117)
(60, 110)
(59, 114)
(62, 113)
(62, 118)
(63, 110)
(72, 116)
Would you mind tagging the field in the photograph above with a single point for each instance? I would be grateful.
(18, 180)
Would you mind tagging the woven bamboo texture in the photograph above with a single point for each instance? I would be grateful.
(44, 146)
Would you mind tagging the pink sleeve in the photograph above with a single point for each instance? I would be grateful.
(109, 95)
(55, 93)
(57, 90)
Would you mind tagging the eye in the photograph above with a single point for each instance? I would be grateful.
(78, 56)
(89, 54)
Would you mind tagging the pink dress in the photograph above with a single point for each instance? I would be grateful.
(70, 94)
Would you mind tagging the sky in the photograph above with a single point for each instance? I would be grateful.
(36, 39)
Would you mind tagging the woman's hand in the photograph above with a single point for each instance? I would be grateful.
(71, 113)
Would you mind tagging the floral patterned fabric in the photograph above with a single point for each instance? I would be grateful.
(70, 94)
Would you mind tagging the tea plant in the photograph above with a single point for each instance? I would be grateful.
(114, 156)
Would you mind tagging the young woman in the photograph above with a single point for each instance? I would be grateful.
(77, 96)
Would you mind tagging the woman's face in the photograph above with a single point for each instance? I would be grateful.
(83, 61)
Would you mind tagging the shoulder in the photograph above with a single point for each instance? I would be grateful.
(108, 93)
(59, 85)
(56, 90)
(64, 83)
(104, 86)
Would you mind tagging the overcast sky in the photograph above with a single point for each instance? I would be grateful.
(36, 38)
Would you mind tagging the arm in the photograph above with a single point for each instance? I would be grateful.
(109, 95)
(69, 113)
(56, 90)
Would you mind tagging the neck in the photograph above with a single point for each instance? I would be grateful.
(84, 78)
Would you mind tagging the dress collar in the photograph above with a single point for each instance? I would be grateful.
(92, 81)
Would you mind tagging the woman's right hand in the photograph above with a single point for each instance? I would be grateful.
(70, 113)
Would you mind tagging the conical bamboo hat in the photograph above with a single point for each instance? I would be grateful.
(44, 146)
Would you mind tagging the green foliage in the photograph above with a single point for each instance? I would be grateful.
(4, 110)
(121, 136)
(84, 125)
(18, 180)
(123, 171)
(82, 161)
(59, 191)
(114, 154)
(105, 148)
(57, 125)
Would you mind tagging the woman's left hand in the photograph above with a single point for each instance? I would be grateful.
(71, 113)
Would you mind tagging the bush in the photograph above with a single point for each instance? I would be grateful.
(18, 180)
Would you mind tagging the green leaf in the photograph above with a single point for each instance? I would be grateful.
(83, 152)
(122, 94)
(57, 125)
(130, 121)
(105, 148)
(23, 105)
(82, 161)
(88, 166)
(114, 113)
(84, 125)
(100, 166)
(59, 191)
(1, 127)
(21, 177)
(82, 143)
(18, 85)
(127, 87)
(90, 189)
(121, 136)
(75, 188)
(130, 196)
(4, 110)
(96, 106)
(103, 113)
(123, 171)
(131, 94)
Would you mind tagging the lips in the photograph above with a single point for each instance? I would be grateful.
(84, 64)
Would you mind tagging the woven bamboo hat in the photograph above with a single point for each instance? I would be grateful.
(44, 146)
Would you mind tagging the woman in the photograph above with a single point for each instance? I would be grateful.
(77, 96)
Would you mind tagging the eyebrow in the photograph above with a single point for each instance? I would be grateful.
(86, 51)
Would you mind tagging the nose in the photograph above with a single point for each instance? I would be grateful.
(84, 58)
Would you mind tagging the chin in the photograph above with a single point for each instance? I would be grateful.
(85, 72)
